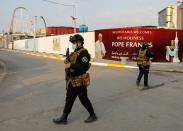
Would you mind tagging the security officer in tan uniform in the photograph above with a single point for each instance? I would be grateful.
(143, 62)
(78, 81)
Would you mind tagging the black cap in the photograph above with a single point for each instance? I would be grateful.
(144, 46)
(76, 38)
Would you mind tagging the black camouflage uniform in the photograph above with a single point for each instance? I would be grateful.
(80, 67)
(144, 65)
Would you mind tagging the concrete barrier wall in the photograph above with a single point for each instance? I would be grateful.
(55, 44)
(19, 44)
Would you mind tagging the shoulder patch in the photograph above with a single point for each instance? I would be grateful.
(84, 59)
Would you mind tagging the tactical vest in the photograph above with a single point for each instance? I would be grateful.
(74, 55)
(142, 58)
(82, 80)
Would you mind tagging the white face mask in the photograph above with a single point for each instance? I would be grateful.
(74, 47)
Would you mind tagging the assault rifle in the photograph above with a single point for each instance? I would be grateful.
(67, 71)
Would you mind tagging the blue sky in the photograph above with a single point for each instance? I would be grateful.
(97, 14)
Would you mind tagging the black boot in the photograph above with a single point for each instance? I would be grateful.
(61, 120)
(91, 118)
(146, 86)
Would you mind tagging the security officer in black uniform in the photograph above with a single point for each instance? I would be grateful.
(143, 62)
(79, 80)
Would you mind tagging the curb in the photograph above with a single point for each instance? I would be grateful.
(93, 63)
(113, 65)
(39, 54)
(61, 58)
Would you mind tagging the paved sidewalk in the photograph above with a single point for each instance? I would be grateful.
(168, 67)
(155, 66)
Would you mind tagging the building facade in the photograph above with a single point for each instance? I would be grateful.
(171, 16)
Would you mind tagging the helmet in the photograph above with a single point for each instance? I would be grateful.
(76, 38)
(145, 46)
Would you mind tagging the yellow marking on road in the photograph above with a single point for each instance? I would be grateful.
(116, 65)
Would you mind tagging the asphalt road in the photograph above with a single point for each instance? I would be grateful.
(32, 92)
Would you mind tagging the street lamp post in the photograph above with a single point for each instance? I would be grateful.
(73, 7)
(35, 22)
(44, 25)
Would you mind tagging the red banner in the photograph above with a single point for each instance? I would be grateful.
(166, 44)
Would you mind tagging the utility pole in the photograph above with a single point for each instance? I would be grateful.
(73, 7)
(35, 22)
